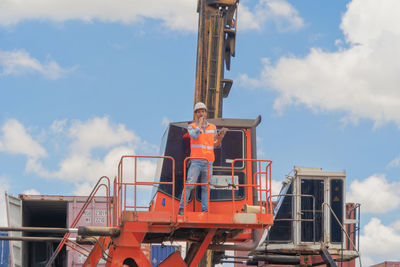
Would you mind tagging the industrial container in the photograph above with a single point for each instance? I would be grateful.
(387, 264)
(51, 211)
(4, 251)
(160, 253)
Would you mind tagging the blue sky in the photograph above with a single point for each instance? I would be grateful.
(82, 84)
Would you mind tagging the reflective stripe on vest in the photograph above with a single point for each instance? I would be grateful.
(199, 146)
(203, 145)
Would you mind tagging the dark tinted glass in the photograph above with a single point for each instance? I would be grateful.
(283, 224)
(177, 145)
(337, 207)
(231, 148)
(316, 189)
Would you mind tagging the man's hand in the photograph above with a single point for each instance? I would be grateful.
(202, 121)
(220, 136)
(222, 133)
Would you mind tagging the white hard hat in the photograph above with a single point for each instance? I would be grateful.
(199, 105)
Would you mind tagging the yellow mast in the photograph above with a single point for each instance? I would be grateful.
(215, 46)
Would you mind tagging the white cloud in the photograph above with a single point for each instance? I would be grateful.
(88, 142)
(393, 164)
(58, 126)
(396, 225)
(77, 167)
(280, 12)
(379, 241)
(95, 149)
(361, 80)
(84, 189)
(31, 192)
(174, 14)
(3, 189)
(367, 20)
(248, 20)
(98, 133)
(276, 187)
(366, 261)
(19, 62)
(82, 163)
(375, 194)
(16, 140)
(286, 16)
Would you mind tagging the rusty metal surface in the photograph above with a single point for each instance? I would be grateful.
(99, 199)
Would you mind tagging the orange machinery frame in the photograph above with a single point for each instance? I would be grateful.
(161, 218)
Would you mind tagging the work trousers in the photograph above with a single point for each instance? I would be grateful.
(198, 168)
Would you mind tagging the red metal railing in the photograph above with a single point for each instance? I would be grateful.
(120, 186)
(84, 207)
(260, 182)
(258, 187)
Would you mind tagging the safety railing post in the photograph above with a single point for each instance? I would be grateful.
(78, 217)
(233, 186)
(115, 203)
(260, 193)
(208, 187)
(270, 184)
(135, 186)
(173, 191)
(257, 175)
(184, 185)
(122, 192)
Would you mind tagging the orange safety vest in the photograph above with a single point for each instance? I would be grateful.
(203, 145)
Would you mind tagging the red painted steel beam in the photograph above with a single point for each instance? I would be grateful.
(97, 252)
(204, 245)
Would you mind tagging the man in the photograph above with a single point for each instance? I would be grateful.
(203, 139)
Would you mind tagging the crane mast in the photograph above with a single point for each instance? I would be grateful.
(215, 46)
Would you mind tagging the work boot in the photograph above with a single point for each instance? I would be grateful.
(180, 212)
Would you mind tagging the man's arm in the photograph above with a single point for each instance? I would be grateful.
(194, 132)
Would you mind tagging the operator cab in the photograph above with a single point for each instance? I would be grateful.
(239, 143)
